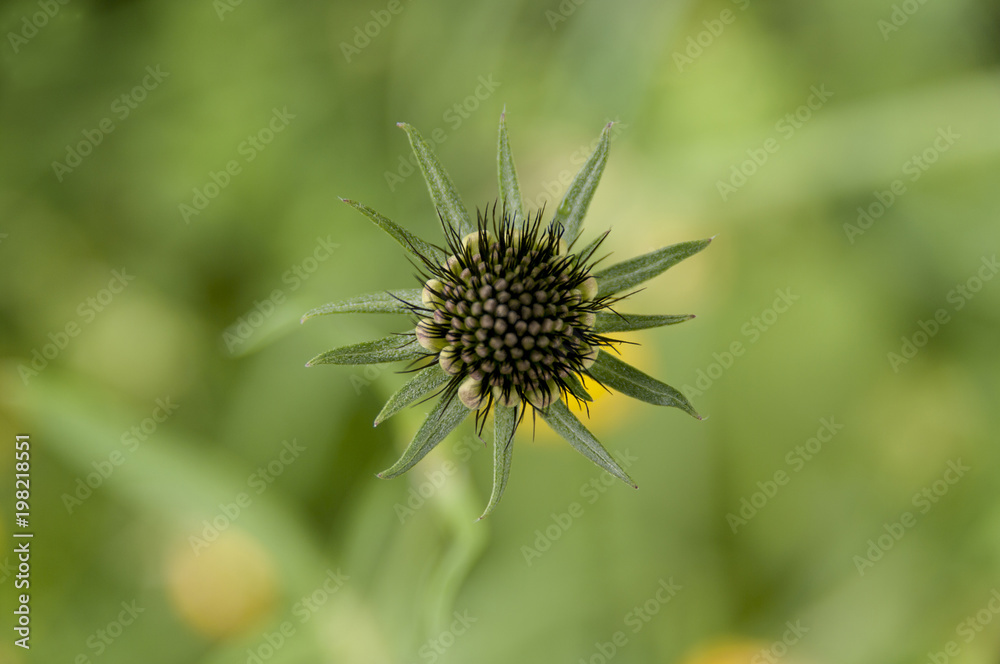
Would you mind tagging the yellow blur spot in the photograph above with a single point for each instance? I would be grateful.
(223, 589)
(734, 652)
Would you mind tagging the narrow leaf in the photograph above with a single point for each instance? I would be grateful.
(576, 387)
(443, 193)
(388, 349)
(628, 380)
(642, 268)
(584, 254)
(510, 190)
(564, 423)
(447, 414)
(392, 302)
(610, 322)
(410, 242)
(576, 201)
(426, 380)
(504, 422)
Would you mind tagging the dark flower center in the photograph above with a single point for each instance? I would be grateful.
(510, 314)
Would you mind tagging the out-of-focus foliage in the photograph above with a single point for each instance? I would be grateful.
(169, 183)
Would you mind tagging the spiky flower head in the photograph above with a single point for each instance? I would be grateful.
(510, 316)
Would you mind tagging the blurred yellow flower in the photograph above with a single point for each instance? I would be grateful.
(224, 589)
(741, 651)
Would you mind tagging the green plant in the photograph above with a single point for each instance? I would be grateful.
(510, 316)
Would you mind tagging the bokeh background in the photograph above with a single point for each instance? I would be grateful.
(200, 496)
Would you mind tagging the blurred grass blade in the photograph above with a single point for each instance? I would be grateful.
(410, 242)
(642, 268)
(510, 190)
(576, 201)
(388, 349)
(447, 414)
(443, 193)
(391, 302)
(564, 423)
(628, 380)
(504, 422)
(610, 322)
(426, 380)
(576, 387)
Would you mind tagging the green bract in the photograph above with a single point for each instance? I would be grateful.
(510, 316)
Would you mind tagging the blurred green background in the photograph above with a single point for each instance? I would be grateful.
(169, 208)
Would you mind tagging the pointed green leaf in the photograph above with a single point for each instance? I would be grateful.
(628, 380)
(564, 423)
(611, 322)
(443, 193)
(510, 190)
(447, 414)
(584, 254)
(410, 242)
(576, 201)
(504, 422)
(388, 349)
(576, 387)
(426, 380)
(642, 268)
(372, 303)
